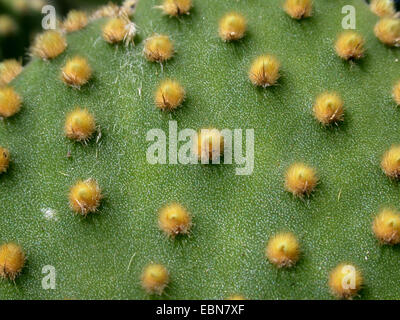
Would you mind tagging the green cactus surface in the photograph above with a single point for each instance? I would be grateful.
(102, 256)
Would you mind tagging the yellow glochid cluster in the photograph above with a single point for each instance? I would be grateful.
(209, 145)
(154, 279)
(264, 71)
(169, 95)
(158, 48)
(232, 26)
(85, 196)
(4, 159)
(300, 179)
(176, 8)
(12, 260)
(386, 226)
(119, 29)
(79, 125)
(76, 72)
(10, 102)
(383, 8)
(236, 297)
(329, 108)
(76, 20)
(107, 11)
(298, 9)
(345, 281)
(283, 250)
(114, 30)
(396, 93)
(9, 70)
(390, 162)
(350, 45)
(49, 45)
(387, 30)
(174, 219)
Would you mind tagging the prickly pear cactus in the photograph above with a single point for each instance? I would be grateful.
(222, 250)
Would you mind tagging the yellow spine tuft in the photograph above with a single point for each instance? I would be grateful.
(236, 297)
(391, 162)
(176, 7)
(169, 95)
(387, 30)
(386, 226)
(76, 20)
(264, 71)
(300, 179)
(209, 145)
(79, 125)
(114, 30)
(158, 48)
(155, 278)
(396, 93)
(174, 219)
(76, 72)
(49, 45)
(383, 8)
(328, 108)
(108, 10)
(283, 250)
(345, 281)
(350, 45)
(4, 159)
(232, 26)
(9, 70)
(85, 197)
(10, 102)
(298, 9)
(12, 260)
(119, 29)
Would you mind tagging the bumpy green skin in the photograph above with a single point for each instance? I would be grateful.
(102, 256)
